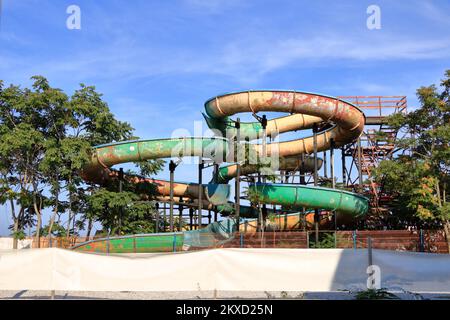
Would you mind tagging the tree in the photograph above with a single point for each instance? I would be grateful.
(45, 139)
(420, 176)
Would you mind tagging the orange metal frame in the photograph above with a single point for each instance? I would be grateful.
(372, 150)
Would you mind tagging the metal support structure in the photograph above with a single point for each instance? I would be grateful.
(316, 225)
(172, 167)
(120, 190)
(315, 129)
(360, 187)
(264, 215)
(343, 166)
(191, 218)
(264, 142)
(421, 241)
(157, 218)
(174, 242)
(237, 186)
(164, 217)
(333, 180)
(180, 215)
(200, 192)
(215, 172)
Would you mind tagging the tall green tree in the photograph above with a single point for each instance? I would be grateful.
(21, 151)
(45, 139)
(421, 175)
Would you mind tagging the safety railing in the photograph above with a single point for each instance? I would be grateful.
(402, 240)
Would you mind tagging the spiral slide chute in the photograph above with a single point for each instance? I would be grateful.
(108, 155)
(343, 121)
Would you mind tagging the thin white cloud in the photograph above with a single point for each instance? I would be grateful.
(214, 6)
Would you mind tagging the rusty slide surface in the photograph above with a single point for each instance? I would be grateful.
(345, 124)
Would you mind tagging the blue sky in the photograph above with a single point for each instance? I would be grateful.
(156, 62)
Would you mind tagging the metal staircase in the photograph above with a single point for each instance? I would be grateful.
(377, 143)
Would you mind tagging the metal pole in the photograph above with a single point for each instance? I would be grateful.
(264, 142)
(120, 190)
(369, 250)
(316, 225)
(316, 211)
(421, 241)
(180, 215)
(164, 217)
(343, 166)
(174, 242)
(172, 167)
(200, 192)
(315, 153)
(237, 186)
(107, 242)
(191, 218)
(333, 180)
(157, 218)
(325, 173)
(216, 172)
(360, 166)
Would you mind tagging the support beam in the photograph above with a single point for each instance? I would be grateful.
(237, 186)
(172, 167)
(343, 166)
(200, 193)
(315, 129)
(316, 225)
(191, 218)
(157, 218)
(164, 217)
(264, 142)
(180, 215)
(333, 180)
(360, 166)
(121, 208)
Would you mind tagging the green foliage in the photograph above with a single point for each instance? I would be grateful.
(253, 195)
(45, 139)
(57, 230)
(150, 167)
(122, 212)
(375, 294)
(19, 235)
(420, 175)
(326, 241)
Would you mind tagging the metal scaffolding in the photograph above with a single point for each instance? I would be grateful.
(377, 143)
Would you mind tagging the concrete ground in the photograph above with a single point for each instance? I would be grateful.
(135, 295)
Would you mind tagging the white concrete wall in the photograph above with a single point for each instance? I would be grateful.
(7, 243)
(222, 269)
